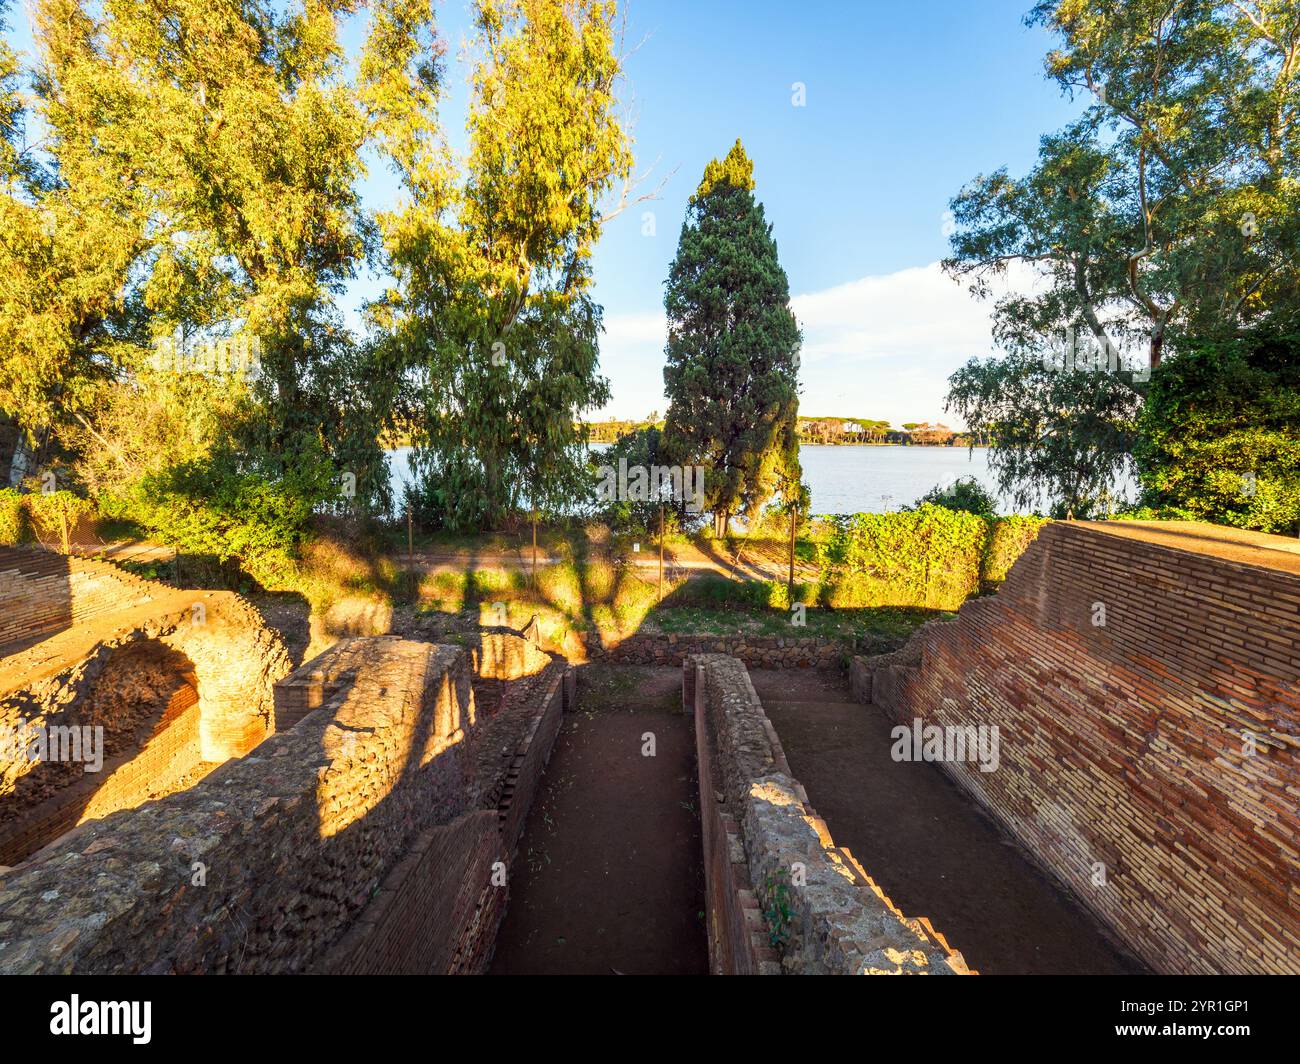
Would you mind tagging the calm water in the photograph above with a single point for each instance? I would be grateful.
(846, 480)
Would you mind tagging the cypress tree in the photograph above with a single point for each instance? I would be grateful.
(732, 366)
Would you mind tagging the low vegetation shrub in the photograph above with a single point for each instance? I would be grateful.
(235, 515)
(55, 515)
(932, 556)
(1009, 538)
(15, 523)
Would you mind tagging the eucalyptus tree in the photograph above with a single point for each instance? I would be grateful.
(1173, 204)
(197, 182)
(1166, 214)
(490, 325)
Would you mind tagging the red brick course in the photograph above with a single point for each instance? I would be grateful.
(1124, 743)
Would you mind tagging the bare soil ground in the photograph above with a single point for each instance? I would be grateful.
(609, 876)
(927, 845)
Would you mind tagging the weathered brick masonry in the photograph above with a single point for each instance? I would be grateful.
(168, 758)
(780, 896)
(361, 839)
(1125, 745)
(128, 645)
(41, 592)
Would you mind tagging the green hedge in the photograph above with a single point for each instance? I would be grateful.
(931, 556)
(53, 514)
(15, 522)
(1010, 539)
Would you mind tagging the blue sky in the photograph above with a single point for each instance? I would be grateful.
(905, 102)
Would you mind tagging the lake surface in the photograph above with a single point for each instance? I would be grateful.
(847, 479)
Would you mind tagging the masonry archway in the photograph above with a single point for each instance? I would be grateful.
(133, 735)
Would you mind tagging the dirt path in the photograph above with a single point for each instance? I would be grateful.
(923, 840)
(608, 878)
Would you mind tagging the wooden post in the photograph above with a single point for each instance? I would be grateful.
(411, 580)
(794, 516)
(661, 552)
(534, 548)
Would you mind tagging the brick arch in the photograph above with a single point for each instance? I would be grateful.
(137, 719)
(54, 662)
(235, 666)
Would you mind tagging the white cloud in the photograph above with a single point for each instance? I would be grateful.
(878, 347)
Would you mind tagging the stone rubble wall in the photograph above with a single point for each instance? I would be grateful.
(754, 651)
(263, 865)
(1124, 764)
(439, 909)
(780, 895)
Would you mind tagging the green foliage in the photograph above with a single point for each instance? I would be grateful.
(733, 348)
(1170, 208)
(15, 526)
(11, 108)
(641, 447)
(930, 556)
(221, 509)
(965, 493)
(1165, 217)
(1221, 433)
(1063, 436)
(153, 421)
(197, 185)
(780, 911)
(56, 513)
(1009, 538)
(491, 321)
(199, 175)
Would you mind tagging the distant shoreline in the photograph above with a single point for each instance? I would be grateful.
(395, 445)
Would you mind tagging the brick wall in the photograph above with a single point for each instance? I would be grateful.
(168, 759)
(358, 840)
(437, 911)
(766, 851)
(1124, 767)
(41, 593)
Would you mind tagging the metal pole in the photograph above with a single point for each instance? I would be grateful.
(411, 579)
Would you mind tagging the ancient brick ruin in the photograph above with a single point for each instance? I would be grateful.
(390, 806)
(363, 813)
(781, 897)
(178, 681)
(1145, 686)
